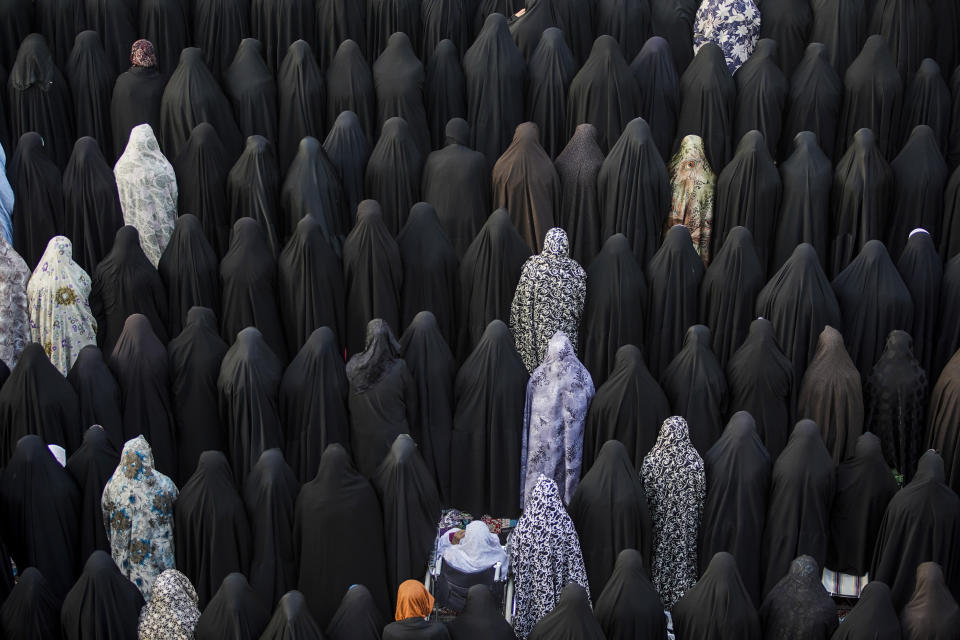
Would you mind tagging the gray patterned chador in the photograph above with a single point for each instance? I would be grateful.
(558, 396)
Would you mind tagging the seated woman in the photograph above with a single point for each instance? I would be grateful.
(414, 605)
(472, 549)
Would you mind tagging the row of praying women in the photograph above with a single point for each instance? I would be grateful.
(880, 179)
(375, 374)
(431, 60)
(870, 350)
(694, 524)
(197, 301)
(60, 522)
(917, 30)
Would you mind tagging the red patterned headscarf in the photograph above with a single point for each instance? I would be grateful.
(142, 55)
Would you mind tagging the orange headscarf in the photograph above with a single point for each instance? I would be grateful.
(413, 601)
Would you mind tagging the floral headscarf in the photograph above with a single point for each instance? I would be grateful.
(734, 25)
(14, 308)
(147, 185)
(138, 514)
(142, 54)
(693, 182)
(675, 483)
(172, 612)
(58, 295)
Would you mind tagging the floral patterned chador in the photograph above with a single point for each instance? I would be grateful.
(734, 25)
(693, 182)
(60, 316)
(558, 396)
(545, 555)
(147, 186)
(14, 310)
(138, 514)
(549, 298)
(172, 612)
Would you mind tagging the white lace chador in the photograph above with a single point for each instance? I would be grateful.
(147, 186)
(59, 298)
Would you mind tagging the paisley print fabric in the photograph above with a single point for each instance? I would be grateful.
(14, 314)
(734, 25)
(675, 484)
(138, 514)
(549, 298)
(172, 612)
(6, 201)
(693, 183)
(558, 396)
(147, 186)
(545, 555)
(142, 54)
(59, 300)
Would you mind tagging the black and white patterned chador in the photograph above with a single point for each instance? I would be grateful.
(545, 555)
(172, 612)
(549, 298)
(675, 483)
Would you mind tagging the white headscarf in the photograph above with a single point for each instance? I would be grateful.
(60, 316)
(59, 453)
(14, 314)
(479, 549)
(148, 191)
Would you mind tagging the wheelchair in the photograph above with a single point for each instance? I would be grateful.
(449, 586)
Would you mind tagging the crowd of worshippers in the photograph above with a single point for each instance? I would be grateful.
(700, 366)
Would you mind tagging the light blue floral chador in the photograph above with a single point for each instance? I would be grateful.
(734, 25)
(138, 514)
(6, 200)
(558, 396)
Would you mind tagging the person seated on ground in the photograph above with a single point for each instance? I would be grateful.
(472, 549)
(414, 606)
